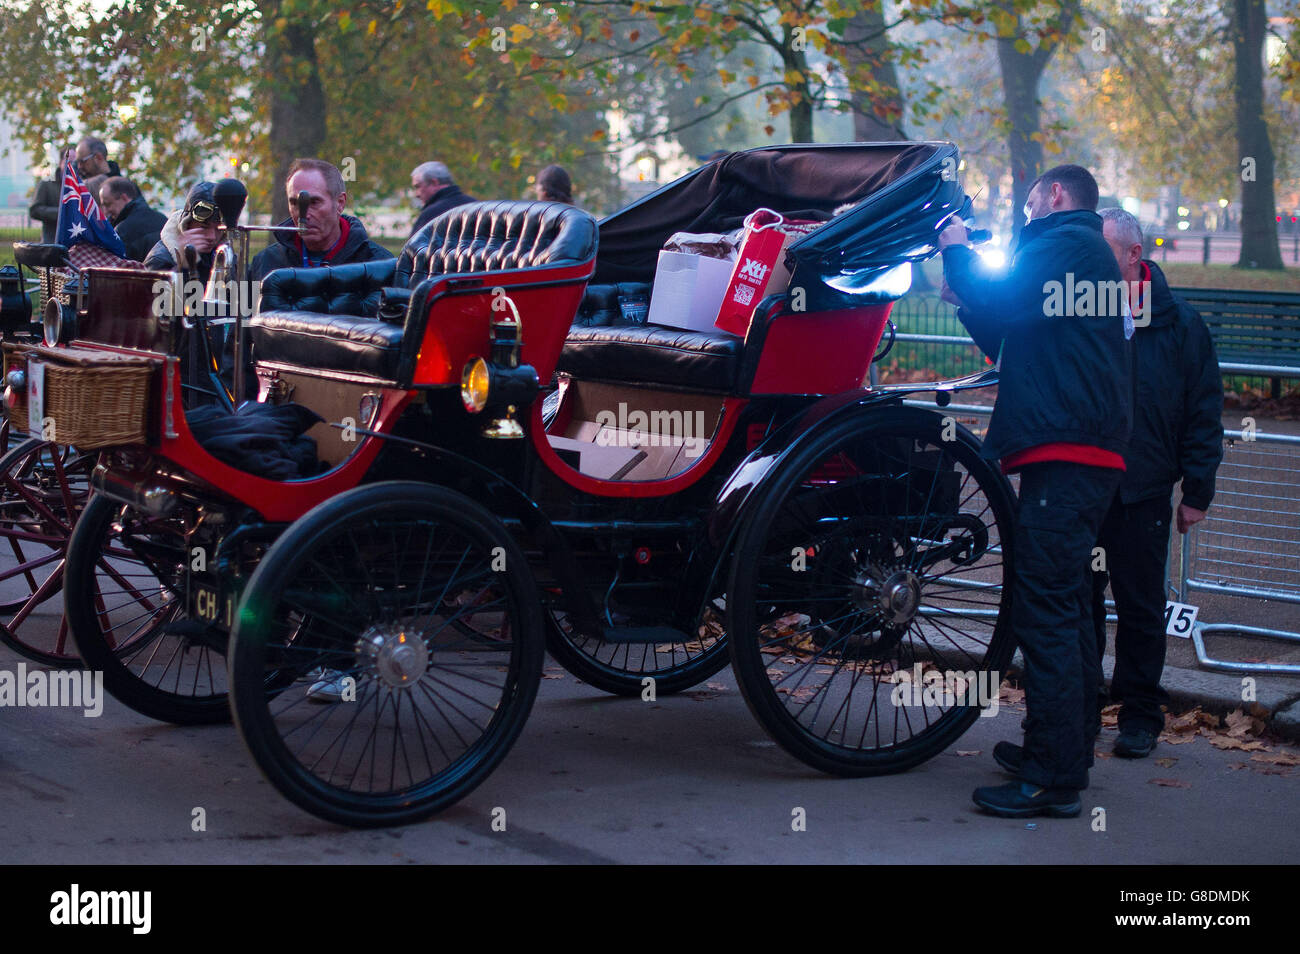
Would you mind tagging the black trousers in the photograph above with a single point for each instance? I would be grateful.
(1060, 515)
(1135, 538)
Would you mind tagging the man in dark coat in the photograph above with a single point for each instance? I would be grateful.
(138, 226)
(1062, 419)
(45, 203)
(331, 238)
(1177, 435)
(433, 187)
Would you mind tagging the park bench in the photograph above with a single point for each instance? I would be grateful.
(1255, 328)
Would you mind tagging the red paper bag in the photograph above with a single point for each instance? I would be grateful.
(760, 267)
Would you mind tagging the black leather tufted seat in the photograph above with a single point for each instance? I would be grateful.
(326, 317)
(491, 236)
(334, 342)
(654, 354)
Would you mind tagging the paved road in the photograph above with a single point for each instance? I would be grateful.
(594, 779)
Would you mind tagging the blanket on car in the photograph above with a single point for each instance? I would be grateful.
(263, 439)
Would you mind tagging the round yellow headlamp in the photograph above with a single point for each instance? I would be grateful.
(474, 384)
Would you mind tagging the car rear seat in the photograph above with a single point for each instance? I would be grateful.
(610, 341)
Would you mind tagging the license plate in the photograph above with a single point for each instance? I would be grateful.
(212, 606)
(36, 398)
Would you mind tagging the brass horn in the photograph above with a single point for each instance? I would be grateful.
(218, 299)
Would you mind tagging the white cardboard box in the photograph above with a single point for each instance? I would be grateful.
(688, 290)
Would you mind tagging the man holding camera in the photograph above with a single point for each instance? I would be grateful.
(1062, 420)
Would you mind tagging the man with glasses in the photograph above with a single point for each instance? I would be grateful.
(91, 159)
(1062, 419)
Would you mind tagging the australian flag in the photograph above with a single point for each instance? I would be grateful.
(80, 218)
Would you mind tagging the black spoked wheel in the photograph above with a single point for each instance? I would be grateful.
(622, 668)
(43, 488)
(124, 599)
(405, 622)
(867, 605)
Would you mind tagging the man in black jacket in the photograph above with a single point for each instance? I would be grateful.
(331, 238)
(1177, 435)
(45, 203)
(137, 225)
(1062, 419)
(434, 188)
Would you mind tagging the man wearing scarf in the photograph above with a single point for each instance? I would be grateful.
(330, 238)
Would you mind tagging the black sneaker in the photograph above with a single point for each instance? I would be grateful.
(1024, 800)
(1135, 743)
(1010, 756)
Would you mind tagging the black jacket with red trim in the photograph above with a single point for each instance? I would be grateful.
(1056, 319)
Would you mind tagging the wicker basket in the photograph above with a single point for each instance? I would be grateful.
(93, 399)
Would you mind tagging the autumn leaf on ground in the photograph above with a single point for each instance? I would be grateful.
(1166, 762)
(715, 686)
(962, 753)
(1011, 695)
(1169, 782)
(1228, 742)
(1239, 724)
(1278, 758)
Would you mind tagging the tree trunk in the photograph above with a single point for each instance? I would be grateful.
(801, 113)
(801, 120)
(1020, 75)
(1259, 246)
(297, 102)
(878, 103)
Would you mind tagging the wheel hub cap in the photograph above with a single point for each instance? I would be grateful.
(895, 595)
(397, 655)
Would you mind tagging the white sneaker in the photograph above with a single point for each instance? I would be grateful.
(328, 688)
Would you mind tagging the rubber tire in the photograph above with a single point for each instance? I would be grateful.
(249, 697)
(84, 549)
(622, 682)
(749, 663)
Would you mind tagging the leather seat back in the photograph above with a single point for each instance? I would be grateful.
(353, 289)
(496, 235)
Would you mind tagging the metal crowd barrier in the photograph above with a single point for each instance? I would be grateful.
(1253, 549)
